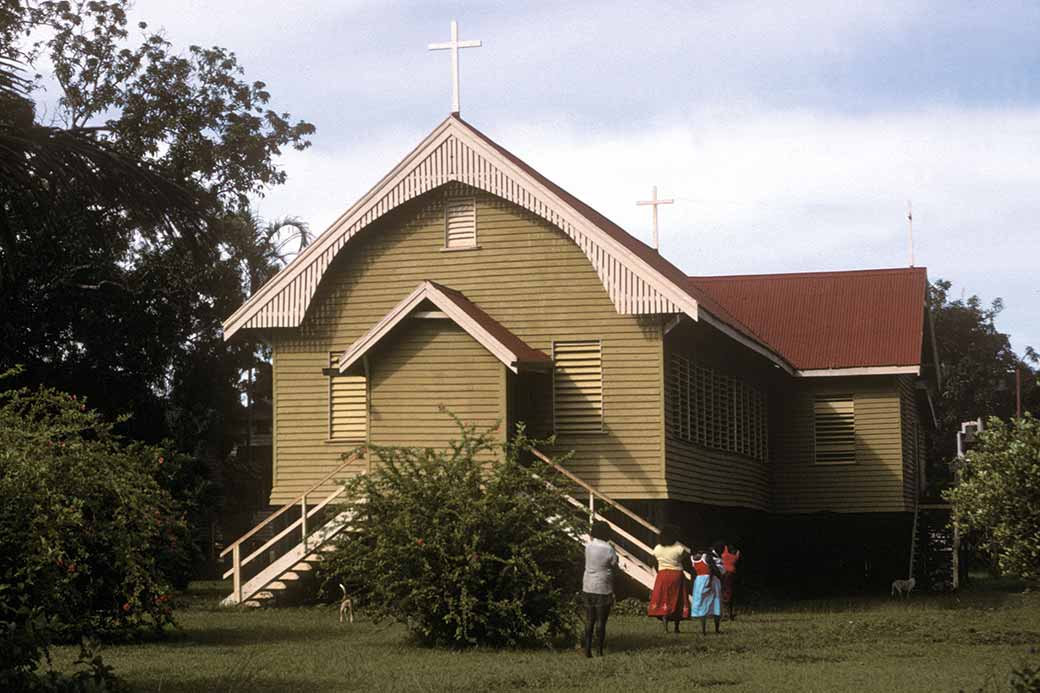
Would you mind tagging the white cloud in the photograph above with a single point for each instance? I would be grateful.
(774, 192)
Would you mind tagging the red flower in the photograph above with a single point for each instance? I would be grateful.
(419, 541)
(161, 460)
(126, 606)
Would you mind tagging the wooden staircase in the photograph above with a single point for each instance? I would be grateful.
(285, 557)
(302, 542)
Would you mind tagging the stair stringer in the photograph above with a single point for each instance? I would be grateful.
(289, 560)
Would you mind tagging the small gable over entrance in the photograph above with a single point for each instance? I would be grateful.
(435, 301)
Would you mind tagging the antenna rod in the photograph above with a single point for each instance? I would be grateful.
(910, 222)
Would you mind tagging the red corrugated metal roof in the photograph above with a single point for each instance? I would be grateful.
(820, 320)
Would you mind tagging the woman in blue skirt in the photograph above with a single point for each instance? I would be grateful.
(706, 597)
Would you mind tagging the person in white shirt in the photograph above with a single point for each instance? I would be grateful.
(597, 585)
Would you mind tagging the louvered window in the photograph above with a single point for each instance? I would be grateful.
(714, 410)
(835, 429)
(460, 222)
(578, 387)
(348, 405)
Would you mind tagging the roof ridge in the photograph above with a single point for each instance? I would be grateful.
(801, 275)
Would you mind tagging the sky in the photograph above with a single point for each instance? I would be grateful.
(791, 135)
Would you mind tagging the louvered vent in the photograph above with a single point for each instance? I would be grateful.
(348, 405)
(578, 387)
(460, 222)
(835, 425)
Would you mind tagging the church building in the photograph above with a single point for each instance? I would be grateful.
(775, 410)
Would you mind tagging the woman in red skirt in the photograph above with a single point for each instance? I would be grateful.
(670, 600)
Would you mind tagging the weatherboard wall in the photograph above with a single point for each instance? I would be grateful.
(872, 483)
(700, 474)
(528, 276)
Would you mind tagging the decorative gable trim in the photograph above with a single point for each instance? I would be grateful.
(503, 345)
(454, 152)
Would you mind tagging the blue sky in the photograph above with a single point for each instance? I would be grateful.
(791, 134)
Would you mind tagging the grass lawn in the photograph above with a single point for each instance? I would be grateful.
(926, 643)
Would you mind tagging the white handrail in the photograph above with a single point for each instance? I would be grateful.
(311, 512)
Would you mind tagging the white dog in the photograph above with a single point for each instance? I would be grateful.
(346, 605)
(903, 587)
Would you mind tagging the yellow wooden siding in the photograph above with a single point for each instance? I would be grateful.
(701, 472)
(529, 277)
(910, 439)
(874, 483)
(427, 365)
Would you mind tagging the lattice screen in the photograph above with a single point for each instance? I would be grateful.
(715, 410)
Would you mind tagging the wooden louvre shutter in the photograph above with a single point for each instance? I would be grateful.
(460, 222)
(578, 387)
(835, 426)
(348, 405)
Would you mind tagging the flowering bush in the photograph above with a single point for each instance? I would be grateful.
(463, 551)
(85, 530)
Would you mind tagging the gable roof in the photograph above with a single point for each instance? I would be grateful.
(503, 344)
(827, 321)
(455, 152)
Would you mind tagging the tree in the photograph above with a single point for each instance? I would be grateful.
(463, 552)
(997, 498)
(103, 291)
(978, 368)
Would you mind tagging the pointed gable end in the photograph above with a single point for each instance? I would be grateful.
(637, 279)
(503, 344)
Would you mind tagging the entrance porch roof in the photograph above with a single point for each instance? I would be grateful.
(492, 335)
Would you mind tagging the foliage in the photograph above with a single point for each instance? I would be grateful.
(462, 551)
(978, 367)
(87, 530)
(998, 495)
(124, 240)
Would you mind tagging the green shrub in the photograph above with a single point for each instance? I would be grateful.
(997, 499)
(462, 550)
(86, 529)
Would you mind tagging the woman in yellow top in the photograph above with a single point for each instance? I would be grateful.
(669, 600)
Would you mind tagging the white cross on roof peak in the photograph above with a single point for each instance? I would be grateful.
(454, 45)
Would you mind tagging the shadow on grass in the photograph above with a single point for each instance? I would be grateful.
(251, 683)
(245, 636)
